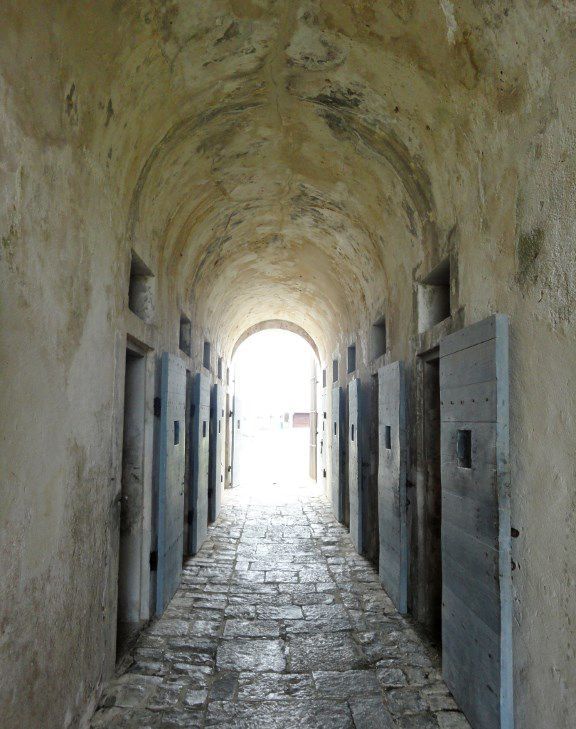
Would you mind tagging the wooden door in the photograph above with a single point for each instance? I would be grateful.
(237, 436)
(198, 500)
(171, 457)
(476, 567)
(337, 459)
(216, 473)
(355, 464)
(323, 433)
(392, 508)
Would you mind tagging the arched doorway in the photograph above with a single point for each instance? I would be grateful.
(274, 414)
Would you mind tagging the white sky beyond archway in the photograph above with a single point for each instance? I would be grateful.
(272, 370)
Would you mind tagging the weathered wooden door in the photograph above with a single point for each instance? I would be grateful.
(392, 509)
(323, 434)
(337, 461)
(198, 499)
(216, 473)
(476, 568)
(171, 457)
(237, 434)
(355, 464)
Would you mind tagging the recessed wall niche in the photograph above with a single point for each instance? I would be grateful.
(378, 341)
(434, 297)
(185, 339)
(206, 355)
(351, 358)
(141, 289)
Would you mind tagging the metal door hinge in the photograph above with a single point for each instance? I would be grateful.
(153, 561)
(157, 407)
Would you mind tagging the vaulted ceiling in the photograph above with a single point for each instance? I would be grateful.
(293, 160)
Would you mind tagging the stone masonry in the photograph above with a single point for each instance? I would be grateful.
(279, 623)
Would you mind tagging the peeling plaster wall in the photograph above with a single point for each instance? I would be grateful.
(59, 299)
(301, 161)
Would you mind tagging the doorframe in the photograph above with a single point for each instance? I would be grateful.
(422, 603)
(140, 349)
(147, 353)
(422, 346)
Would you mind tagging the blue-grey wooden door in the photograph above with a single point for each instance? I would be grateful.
(216, 472)
(337, 455)
(237, 437)
(476, 567)
(392, 509)
(198, 499)
(171, 463)
(355, 463)
(323, 435)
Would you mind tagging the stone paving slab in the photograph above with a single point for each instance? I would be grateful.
(279, 624)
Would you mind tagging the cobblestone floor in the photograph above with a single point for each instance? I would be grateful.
(278, 623)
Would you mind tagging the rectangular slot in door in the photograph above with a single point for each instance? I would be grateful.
(388, 437)
(464, 448)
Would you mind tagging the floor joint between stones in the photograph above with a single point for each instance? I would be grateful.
(278, 622)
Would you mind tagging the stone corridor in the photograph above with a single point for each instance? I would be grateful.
(279, 623)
